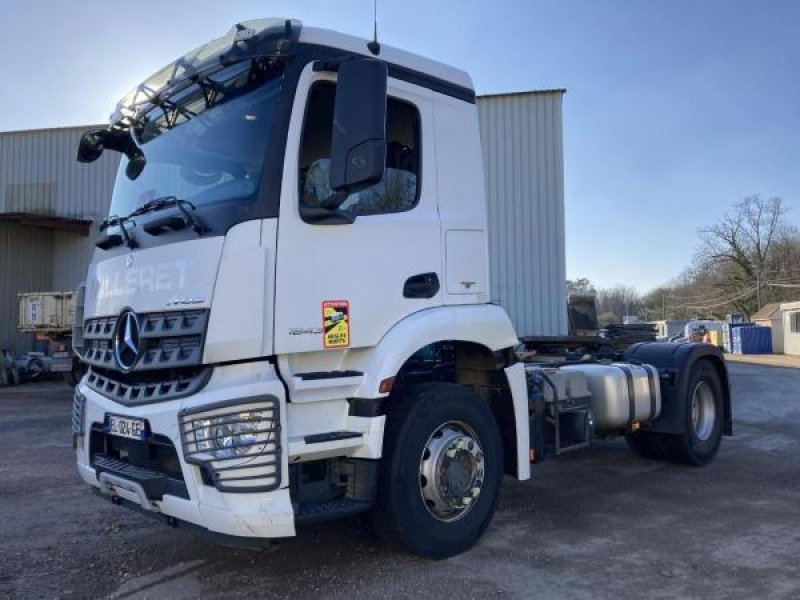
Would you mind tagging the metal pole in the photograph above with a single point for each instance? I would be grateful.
(758, 288)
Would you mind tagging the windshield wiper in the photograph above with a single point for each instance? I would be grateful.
(113, 239)
(155, 227)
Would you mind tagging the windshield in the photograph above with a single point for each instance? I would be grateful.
(206, 144)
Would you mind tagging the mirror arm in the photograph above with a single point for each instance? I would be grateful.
(318, 215)
(335, 200)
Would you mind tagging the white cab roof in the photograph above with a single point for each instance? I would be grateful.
(351, 43)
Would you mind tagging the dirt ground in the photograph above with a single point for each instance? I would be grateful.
(602, 524)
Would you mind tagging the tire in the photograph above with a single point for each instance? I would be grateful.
(701, 437)
(432, 424)
(35, 369)
(648, 445)
(695, 446)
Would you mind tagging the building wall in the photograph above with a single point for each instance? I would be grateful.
(39, 175)
(25, 266)
(791, 328)
(523, 156)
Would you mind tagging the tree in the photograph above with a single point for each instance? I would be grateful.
(615, 303)
(736, 251)
(579, 286)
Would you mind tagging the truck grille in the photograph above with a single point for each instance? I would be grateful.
(168, 340)
(133, 389)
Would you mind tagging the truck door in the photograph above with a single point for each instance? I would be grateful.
(343, 286)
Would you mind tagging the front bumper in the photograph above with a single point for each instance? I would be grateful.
(241, 514)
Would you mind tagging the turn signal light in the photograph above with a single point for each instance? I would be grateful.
(386, 385)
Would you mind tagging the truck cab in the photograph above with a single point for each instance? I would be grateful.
(288, 318)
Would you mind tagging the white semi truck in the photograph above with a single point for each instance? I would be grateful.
(288, 318)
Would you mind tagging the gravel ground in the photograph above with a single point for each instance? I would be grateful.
(601, 524)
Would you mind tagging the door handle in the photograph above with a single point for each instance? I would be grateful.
(423, 285)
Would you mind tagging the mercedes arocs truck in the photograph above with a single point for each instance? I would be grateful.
(288, 319)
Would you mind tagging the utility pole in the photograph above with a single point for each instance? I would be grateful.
(758, 288)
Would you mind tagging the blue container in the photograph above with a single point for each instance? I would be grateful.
(752, 339)
(727, 334)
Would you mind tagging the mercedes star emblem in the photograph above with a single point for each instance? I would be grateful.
(127, 348)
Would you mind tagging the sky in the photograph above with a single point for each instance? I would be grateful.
(675, 109)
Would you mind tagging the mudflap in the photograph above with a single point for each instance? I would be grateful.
(674, 362)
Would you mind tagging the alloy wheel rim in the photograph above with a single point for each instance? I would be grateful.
(451, 471)
(703, 411)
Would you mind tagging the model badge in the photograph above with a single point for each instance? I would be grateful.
(183, 301)
(305, 331)
(127, 345)
(129, 260)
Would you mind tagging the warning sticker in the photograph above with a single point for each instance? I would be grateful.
(336, 323)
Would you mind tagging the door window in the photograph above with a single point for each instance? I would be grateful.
(398, 190)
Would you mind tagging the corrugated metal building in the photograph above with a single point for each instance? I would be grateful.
(48, 202)
(523, 156)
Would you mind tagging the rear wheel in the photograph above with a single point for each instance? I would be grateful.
(702, 435)
(700, 441)
(441, 470)
(35, 369)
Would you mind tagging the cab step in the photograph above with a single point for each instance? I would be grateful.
(328, 511)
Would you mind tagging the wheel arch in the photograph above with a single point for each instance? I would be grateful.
(486, 325)
(482, 337)
(675, 362)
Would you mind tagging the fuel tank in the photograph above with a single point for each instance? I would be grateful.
(621, 393)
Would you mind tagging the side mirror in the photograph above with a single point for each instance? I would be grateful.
(93, 143)
(91, 146)
(358, 145)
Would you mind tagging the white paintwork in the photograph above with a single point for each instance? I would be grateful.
(335, 39)
(462, 201)
(365, 263)
(317, 390)
(324, 416)
(240, 326)
(518, 385)
(146, 280)
(523, 160)
(466, 264)
(484, 324)
(262, 515)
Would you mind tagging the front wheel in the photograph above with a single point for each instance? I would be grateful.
(441, 470)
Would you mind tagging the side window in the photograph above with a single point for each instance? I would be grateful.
(399, 189)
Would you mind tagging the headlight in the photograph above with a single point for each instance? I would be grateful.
(229, 437)
(237, 444)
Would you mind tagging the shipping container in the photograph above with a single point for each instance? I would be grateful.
(752, 339)
(46, 312)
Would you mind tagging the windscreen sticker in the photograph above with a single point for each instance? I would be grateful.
(336, 323)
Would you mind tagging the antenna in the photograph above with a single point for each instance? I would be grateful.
(374, 46)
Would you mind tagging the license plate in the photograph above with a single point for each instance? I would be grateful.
(127, 427)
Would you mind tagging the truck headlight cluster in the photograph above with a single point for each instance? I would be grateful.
(236, 444)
